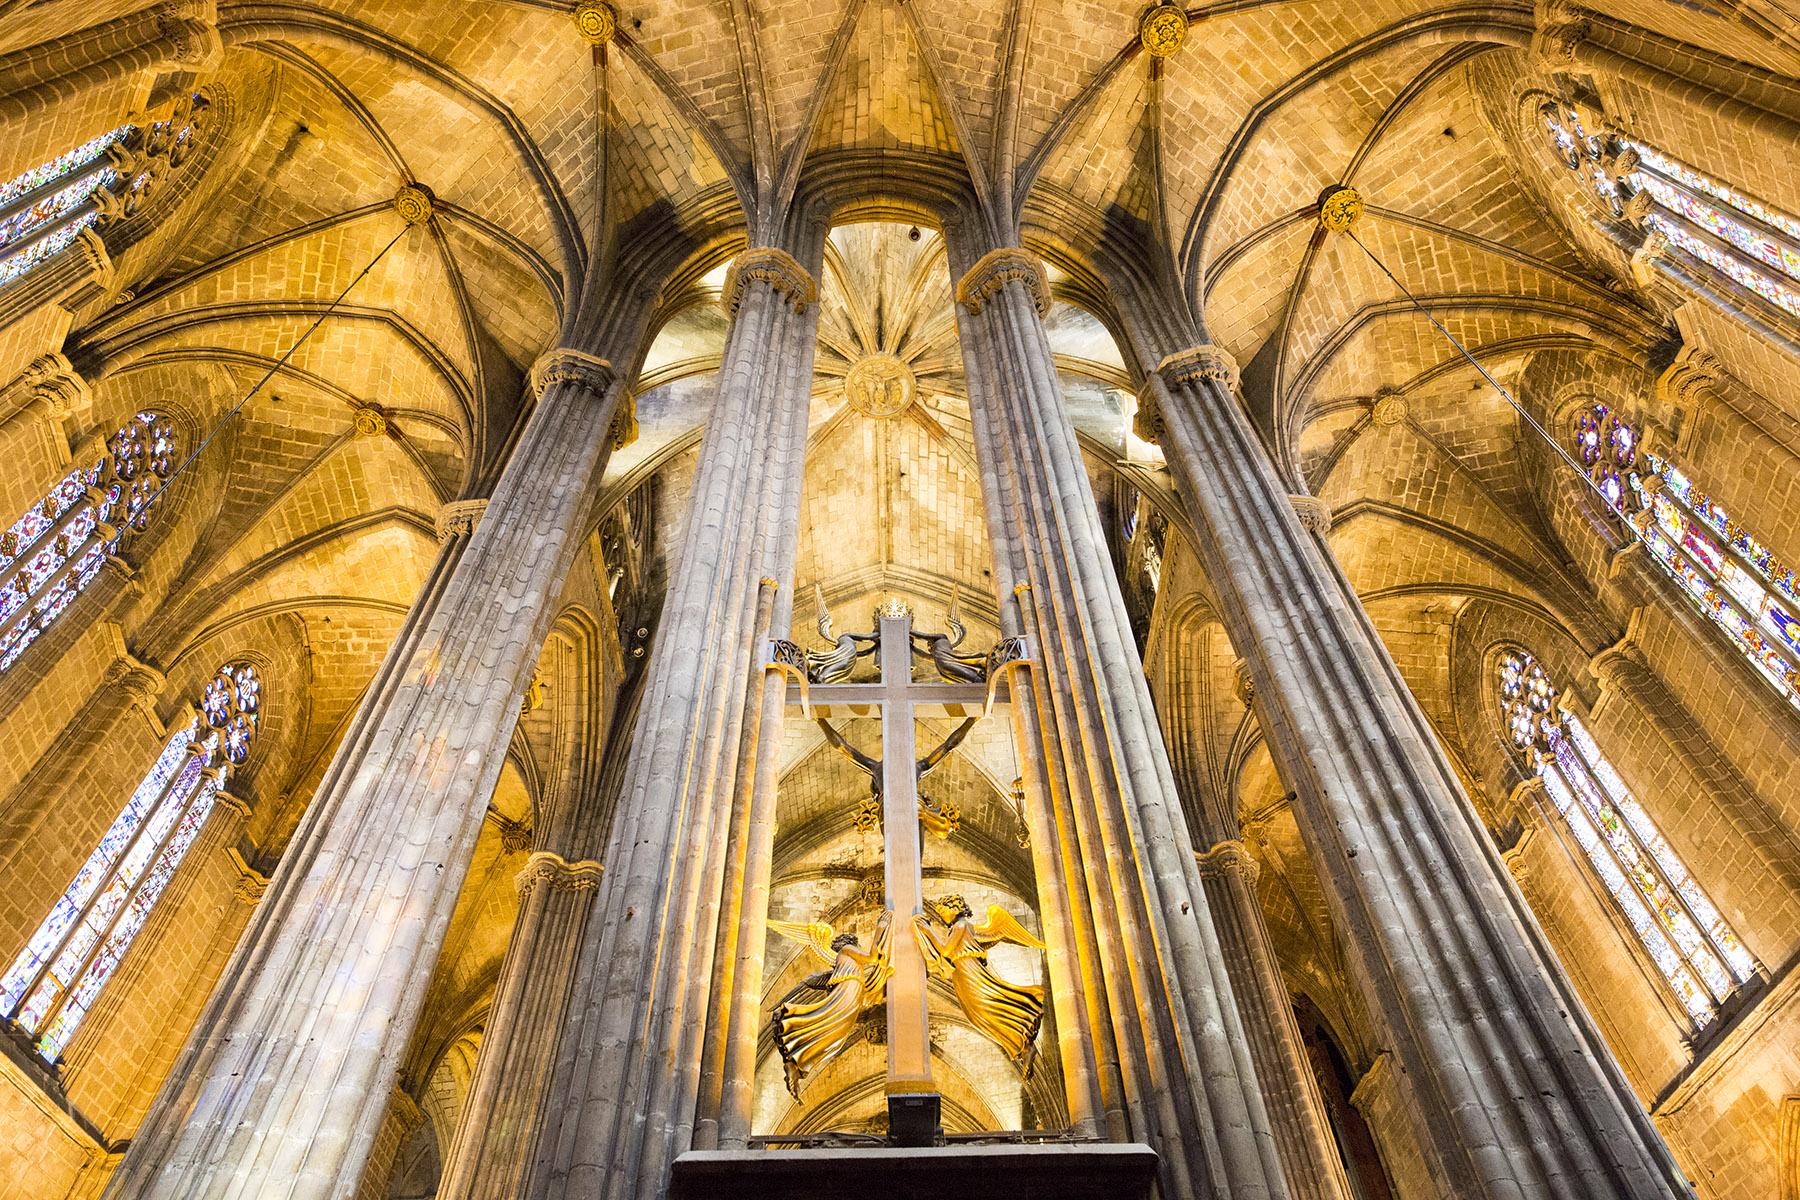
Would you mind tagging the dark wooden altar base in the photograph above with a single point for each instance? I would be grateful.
(1090, 1171)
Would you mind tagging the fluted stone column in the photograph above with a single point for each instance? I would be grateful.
(279, 1088)
(1159, 999)
(1512, 1088)
(177, 34)
(623, 1101)
(1302, 1128)
(498, 1126)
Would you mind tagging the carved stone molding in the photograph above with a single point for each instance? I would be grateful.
(1197, 363)
(557, 873)
(1228, 858)
(1694, 375)
(1242, 686)
(251, 883)
(1314, 513)
(997, 268)
(140, 682)
(1653, 247)
(777, 268)
(1514, 855)
(459, 518)
(1148, 424)
(57, 385)
(192, 29)
(564, 365)
(1389, 408)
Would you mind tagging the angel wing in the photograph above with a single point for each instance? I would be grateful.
(824, 613)
(816, 935)
(1001, 927)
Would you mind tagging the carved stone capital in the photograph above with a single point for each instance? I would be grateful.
(1197, 363)
(564, 365)
(192, 29)
(1242, 686)
(777, 268)
(232, 803)
(1228, 858)
(1694, 375)
(997, 268)
(1514, 855)
(56, 384)
(1557, 47)
(459, 518)
(557, 873)
(128, 675)
(1314, 513)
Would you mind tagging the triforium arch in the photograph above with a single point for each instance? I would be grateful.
(917, 579)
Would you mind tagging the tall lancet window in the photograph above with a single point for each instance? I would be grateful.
(54, 551)
(1678, 927)
(1730, 576)
(58, 975)
(1746, 241)
(44, 210)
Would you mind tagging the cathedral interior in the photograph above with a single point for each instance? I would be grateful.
(467, 462)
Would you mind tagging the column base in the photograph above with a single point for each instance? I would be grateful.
(1092, 1171)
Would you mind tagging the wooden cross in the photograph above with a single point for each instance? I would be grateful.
(913, 1100)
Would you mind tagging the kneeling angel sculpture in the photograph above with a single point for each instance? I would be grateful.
(1008, 1014)
(809, 1033)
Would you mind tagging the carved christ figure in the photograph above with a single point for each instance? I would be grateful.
(811, 1032)
(939, 820)
(1008, 1014)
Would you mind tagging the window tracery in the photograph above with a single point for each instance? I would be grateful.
(45, 209)
(1748, 242)
(59, 974)
(1731, 577)
(52, 552)
(1694, 948)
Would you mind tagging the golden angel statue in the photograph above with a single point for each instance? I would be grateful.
(1009, 1014)
(809, 1033)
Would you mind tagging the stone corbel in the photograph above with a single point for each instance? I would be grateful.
(1314, 514)
(997, 268)
(1562, 28)
(191, 27)
(777, 268)
(137, 680)
(1229, 858)
(1691, 384)
(1242, 686)
(459, 518)
(564, 365)
(1197, 363)
(1643, 259)
(557, 873)
(1147, 423)
(1620, 667)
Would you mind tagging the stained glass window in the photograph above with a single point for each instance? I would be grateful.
(1745, 240)
(1749, 593)
(54, 551)
(61, 970)
(1693, 947)
(44, 210)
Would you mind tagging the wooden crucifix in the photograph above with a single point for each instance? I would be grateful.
(898, 700)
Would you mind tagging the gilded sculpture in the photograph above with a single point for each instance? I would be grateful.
(1008, 1014)
(810, 1033)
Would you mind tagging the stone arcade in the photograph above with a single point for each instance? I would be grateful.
(937, 598)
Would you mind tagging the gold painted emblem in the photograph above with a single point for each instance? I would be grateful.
(880, 385)
(1163, 29)
(370, 421)
(595, 21)
(415, 203)
(1340, 208)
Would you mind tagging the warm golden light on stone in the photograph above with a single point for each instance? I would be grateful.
(1340, 208)
(415, 203)
(595, 22)
(1163, 29)
(880, 385)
